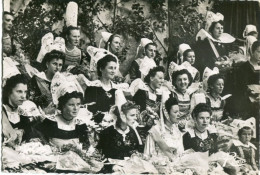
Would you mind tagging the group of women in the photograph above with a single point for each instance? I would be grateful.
(150, 114)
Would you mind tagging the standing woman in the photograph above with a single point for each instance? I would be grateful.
(102, 91)
(213, 47)
(39, 87)
(141, 66)
(73, 53)
(14, 94)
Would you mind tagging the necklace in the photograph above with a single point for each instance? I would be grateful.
(12, 107)
(153, 90)
(69, 50)
(199, 130)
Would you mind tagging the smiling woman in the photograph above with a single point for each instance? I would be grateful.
(14, 94)
(102, 92)
(64, 128)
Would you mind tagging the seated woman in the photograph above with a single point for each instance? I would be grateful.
(148, 96)
(181, 80)
(165, 136)
(214, 100)
(14, 94)
(141, 66)
(72, 52)
(199, 138)
(244, 148)
(39, 86)
(120, 140)
(64, 128)
(213, 47)
(102, 91)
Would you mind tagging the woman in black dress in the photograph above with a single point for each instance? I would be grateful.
(199, 138)
(39, 86)
(14, 94)
(64, 128)
(102, 91)
(120, 140)
(213, 46)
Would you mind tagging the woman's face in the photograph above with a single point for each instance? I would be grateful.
(246, 136)
(18, 94)
(131, 116)
(157, 80)
(174, 114)
(182, 82)
(217, 31)
(256, 56)
(8, 22)
(110, 70)
(218, 86)
(202, 120)
(150, 51)
(55, 65)
(74, 37)
(115, 45)
(191, 57)
(71, 108)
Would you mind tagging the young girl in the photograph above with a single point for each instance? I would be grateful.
(214, 100)
(189, 56)
(181, 80)
(244, 148)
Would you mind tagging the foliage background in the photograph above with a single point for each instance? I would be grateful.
(154, 19)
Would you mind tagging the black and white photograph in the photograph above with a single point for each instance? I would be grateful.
(130, 87)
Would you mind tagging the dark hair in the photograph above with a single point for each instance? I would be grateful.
(181, 72)
(213, 24)
(185, 54)
(54, 54)
(128, 106)
(213, 78)
(111, 38)
(255, 45)
(150, 44)
(66, 97)
(153, 72)
(201, 107)
(169, 103)
(11, 84)
(252, 33)
(7, 13)
(102, 63)
(241, 130)
(70, 28)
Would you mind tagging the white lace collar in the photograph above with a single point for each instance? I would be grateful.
(203, 135)
(13, 116)
(70, 126)
(98, 83)
(239, 143)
